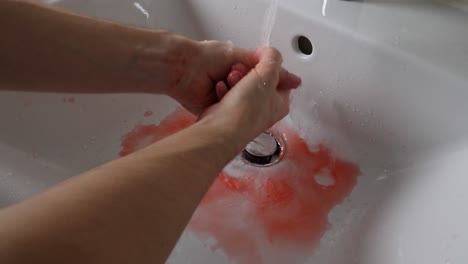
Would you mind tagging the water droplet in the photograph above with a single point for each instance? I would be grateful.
(447, 261)
(382, 178)
(85, 147)
(93, 139)
(9, 174)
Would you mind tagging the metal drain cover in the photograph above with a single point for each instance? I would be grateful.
(265, 150)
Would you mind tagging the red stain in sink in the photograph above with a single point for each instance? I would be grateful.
(144, 135)
(264, 215)
(70, 100)
(254, 216)
(148, 113)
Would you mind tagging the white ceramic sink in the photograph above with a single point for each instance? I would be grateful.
(385, 90)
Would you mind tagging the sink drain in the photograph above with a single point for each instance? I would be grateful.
(265, 150)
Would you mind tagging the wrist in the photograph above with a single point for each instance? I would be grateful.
(160, 62)
(232, 129)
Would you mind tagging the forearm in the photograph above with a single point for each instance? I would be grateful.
(47, 49)
(129, 211)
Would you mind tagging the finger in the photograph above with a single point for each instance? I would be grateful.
(288, 80)
(244, 56)
(241, 68)
(221, 90)
(285, 97)
(266, 72)
(269, 66)
(234, 77)
(218, 58)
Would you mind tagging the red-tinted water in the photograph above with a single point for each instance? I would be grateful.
(274, 211)
(143, 135)
(148, 113)
(70, 99)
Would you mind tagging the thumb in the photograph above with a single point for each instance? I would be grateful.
(269, 67)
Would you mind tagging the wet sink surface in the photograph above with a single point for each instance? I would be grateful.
(383, 98)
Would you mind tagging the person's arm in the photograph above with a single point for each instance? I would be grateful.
(47, 49)
(44, 48)
(133, 210)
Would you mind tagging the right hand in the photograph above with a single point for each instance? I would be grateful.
(257, 100)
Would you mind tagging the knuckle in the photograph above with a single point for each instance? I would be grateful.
(276, 55)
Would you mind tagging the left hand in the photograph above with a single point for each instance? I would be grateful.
(210, 63)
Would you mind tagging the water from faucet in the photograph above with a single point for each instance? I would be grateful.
(269, 23)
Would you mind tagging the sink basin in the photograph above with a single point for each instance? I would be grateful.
(383, 100)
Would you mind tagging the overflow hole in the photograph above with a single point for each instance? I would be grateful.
(303, 45)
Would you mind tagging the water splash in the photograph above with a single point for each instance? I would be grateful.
(324, 8)
(382, 178)
(141, 9)
(269, 23)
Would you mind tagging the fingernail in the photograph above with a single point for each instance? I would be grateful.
(221, 90)
(234, 78)
(241, 68)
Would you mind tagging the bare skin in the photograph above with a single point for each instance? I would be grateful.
(132, 210)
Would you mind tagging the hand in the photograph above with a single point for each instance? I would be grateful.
(256, 101)
(209, 63)
(188, 71)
